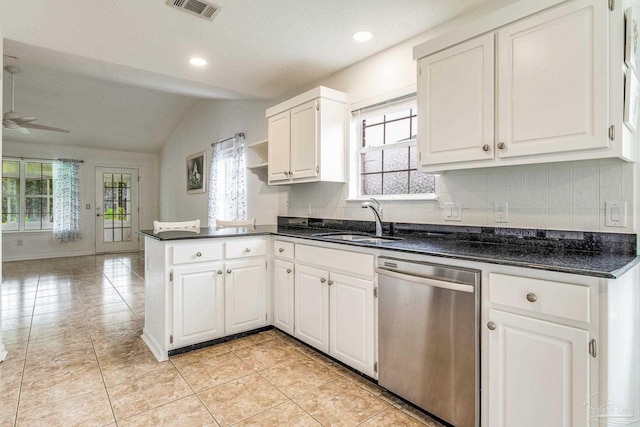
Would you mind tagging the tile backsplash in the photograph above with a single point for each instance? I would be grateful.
(561, 196)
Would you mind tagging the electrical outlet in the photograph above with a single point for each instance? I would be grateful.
(87, 206)
(453, 211)
(500, 212)
(20, 242)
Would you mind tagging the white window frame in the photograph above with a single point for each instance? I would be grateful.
(378, 104)
(22, 196)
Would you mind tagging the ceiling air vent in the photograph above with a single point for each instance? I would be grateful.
(200, 8)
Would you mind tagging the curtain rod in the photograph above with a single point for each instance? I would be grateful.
(234, 137)
(37, 158)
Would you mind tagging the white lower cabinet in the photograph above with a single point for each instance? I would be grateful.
(283, 295)
(198, 304)
(538, 372)
(245, 294)
(335, 314)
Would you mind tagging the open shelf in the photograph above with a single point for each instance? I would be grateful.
(258, 166)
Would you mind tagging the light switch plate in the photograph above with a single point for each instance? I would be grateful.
(453, 211)
(615, 214)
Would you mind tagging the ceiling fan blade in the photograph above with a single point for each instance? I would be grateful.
(23, 131)
(9, 124)
(44, 127)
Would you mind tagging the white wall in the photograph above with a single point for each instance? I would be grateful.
(40, 244)
(567, 195)
(210, 121)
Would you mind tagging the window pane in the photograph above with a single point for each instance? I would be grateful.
(421, 183)
(10, 222)
(373, 136)
(413, 157)
(398, 115)
(395, 183)
(397, 131)
(372, 161)
(372, 184)
(396, 159)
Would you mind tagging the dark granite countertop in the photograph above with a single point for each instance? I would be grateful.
(605, 255)
(208, 233)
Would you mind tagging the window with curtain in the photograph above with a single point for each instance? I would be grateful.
(66, 200)
(27, 195)
(387, 150)
(227, 188)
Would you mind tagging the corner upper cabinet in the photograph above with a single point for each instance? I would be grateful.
(307, 138)
(553, 77)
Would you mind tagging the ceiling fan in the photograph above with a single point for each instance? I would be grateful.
(13, 121)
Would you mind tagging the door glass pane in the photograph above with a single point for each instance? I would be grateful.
(117, 206)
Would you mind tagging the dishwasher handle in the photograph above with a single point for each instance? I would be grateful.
(426, 281)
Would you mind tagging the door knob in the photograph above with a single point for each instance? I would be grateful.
(491, 326)
(219, 271)
(485, 147)
(322, 280)
(330, 282)
(288, 270)
(501, 145)
(280, 250)
(199, 254)
(248, 250)
(228, 271)
(531, 297)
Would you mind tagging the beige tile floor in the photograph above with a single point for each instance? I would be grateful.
(72, 327)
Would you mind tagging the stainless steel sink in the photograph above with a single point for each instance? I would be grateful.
(357, 237)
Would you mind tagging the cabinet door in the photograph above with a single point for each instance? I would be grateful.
(312, 307)
(538, 373)
(278, 148)
(283, 287)
(304, 140)
(552, 81)
(198, 304)
(245, 293)
(456, 103)
(351, 322)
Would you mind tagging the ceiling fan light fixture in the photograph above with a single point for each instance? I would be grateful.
(198, 62)
(362, 36)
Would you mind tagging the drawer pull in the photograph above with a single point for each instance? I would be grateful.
(199, 254)
(280, 250)
(228, 271)
(288, 270)
(248, 250)
(491, 326)
(219, 271)
(531, 297)
(322, 280)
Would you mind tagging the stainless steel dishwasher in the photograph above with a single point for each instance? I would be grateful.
(429, 338)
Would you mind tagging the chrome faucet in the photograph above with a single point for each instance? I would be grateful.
(377, 213)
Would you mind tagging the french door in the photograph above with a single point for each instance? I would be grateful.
(116, 209)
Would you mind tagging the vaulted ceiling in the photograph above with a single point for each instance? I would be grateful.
(117, 72)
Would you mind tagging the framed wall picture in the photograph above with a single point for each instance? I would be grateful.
(631, 100)
(196, 173)
(631, 47)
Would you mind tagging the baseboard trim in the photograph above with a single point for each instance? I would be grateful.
(45, 256)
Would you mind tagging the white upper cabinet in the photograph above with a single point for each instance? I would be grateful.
(307, 138)
(455, 96)
(556, 78)
(552, 81)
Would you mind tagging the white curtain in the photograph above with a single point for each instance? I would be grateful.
(227, 190)
(66, 200)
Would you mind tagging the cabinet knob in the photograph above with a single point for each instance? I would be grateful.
(491, 326)
(290, 173)
(219, 271)
(330, 282)
(199, 254)
(288, 270)
(501, 145)
(531, 297)
(248, 250)
(228, 271)
(485, 147)
(280, 250)
(322, 280)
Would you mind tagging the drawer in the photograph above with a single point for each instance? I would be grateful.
(553, 298)
(334, 259)
(197, 252)
(245, 248)
(283, 249)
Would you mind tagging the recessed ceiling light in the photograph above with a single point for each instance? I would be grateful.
(362, 36)
(199, 62)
